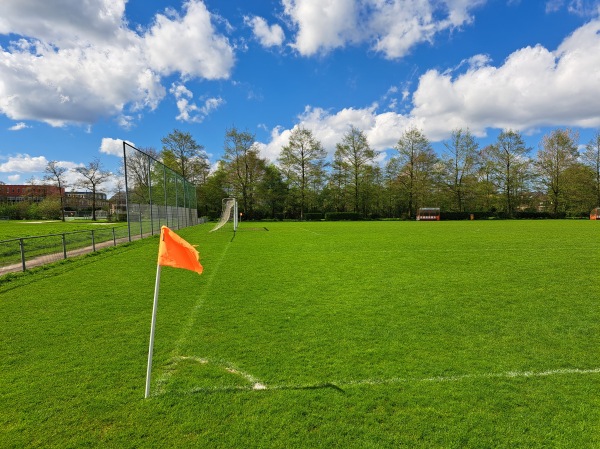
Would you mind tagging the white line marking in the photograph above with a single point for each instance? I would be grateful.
(256, 385)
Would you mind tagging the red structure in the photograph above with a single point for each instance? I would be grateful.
(23, 192)
(595, 214)
(428, 214)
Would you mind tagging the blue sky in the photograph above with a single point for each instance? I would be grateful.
(76, 77)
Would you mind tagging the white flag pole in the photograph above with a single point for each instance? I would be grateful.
(152, 328)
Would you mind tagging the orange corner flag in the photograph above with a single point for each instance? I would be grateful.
(175, 252)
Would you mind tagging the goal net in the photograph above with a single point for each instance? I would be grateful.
(229, 212)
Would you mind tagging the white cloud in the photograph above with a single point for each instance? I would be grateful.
(381, 129)
(322, 25)
(24, 163)
(391, 27)
(534, 87)
(63, 22)
(76, 63)
(18, 126)
(14, 178)
(188, 111)
(112, 146)
(189, 44)
(268, 36)
(578, 7)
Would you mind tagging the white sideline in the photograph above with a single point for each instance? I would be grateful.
(255, 384)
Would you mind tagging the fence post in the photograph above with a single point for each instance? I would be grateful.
(22, 247)
(114, 238)
(64, 242)
(93, 242)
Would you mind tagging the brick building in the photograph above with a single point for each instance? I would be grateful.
(16, 193)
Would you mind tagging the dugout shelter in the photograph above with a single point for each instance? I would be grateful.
(428, 214)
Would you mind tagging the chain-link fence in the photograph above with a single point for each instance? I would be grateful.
(155, 195)
(27, 252)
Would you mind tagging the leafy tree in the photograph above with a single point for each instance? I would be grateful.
(301, 160)
(460, 163)
(558, 153)
(181, 153)
(93, 176)
(212, 192)
(244, 166)
(273, 190)
(416, 161)
(57, 174)
(591, 158)
(510, 165)
(578, 190)
(355, 154)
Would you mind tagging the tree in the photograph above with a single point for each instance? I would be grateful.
(140, 173)
(591, 158)
(509, 163)
(211, 193)
(300, 161)
(93, 176)
(354, 153)
(244, 165)
(557, 154)
(416, 161)
(273, 190)
(57, 174)
(460, 163)
(185, 156)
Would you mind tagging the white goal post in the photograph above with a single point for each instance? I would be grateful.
(229, 207)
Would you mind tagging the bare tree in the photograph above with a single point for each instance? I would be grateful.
(93, 175)
(56, 174)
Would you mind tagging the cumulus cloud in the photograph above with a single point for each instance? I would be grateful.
(268, 36)
(112, 146)
(390, 27)
(322, 25)
(24, 163)
(381, 129)
(188, 44)
(532, 88)
(76, 63)
(191, 112)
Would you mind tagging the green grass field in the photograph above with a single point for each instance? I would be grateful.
(353, 335)
(12, 229)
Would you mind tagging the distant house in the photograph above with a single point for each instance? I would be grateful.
(118, 206)
(17, 193)
(81, 203)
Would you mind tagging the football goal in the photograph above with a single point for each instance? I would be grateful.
(229, 208)
(428, 214)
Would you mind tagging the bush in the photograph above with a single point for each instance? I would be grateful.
(313, 216)
(338, 216)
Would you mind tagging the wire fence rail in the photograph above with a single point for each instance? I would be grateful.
(20, 254)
